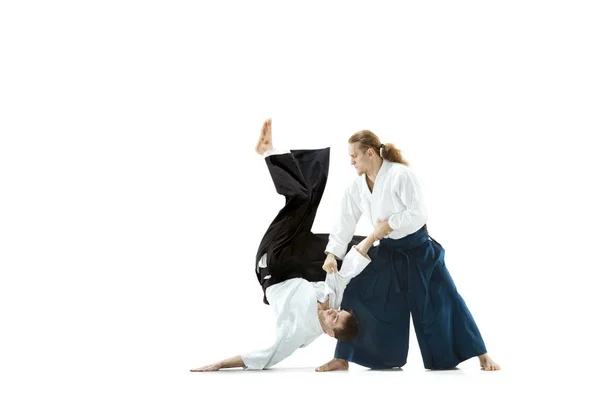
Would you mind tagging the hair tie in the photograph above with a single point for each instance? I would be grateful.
(381, 150)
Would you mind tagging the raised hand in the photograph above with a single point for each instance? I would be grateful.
(330, 265)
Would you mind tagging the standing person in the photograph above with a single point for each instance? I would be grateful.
(407, 275)
(289, 261)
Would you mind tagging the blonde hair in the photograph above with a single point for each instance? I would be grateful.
(368, 140)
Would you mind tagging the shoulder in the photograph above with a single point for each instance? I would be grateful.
(400, 171)
(397, 168)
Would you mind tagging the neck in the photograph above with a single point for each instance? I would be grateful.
(372, 172)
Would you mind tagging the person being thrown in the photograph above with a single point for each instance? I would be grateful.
(304, 298)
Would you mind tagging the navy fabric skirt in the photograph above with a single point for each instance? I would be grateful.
(408, 276)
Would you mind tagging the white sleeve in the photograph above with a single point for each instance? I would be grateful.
(408, 190)
(288, 298)
(354, 263)
(285, 344)
(345, 226)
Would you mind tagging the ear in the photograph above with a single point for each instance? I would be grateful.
(329, 332)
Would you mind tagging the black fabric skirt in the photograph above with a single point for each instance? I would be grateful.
(293, 250)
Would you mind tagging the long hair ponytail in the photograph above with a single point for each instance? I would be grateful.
(368, 140)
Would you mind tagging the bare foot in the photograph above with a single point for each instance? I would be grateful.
(265, 140)
(487, 364)
(336, 364)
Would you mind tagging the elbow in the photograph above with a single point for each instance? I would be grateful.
(420, 220)
(423, 217)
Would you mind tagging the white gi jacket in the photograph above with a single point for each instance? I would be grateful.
(294, 302)
(397, 196)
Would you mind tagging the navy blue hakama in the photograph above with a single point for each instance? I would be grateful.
(408, 276)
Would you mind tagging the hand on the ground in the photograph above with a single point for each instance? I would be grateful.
(208, 368)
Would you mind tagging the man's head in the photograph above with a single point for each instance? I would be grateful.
(366, 152)
(363, 148)
(340, 324)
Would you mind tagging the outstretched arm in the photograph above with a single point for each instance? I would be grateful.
(354, 263)
(232, 362)
(285, 344)
(364, 246)
(381, 229)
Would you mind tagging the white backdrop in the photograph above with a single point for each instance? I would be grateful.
(132, 201)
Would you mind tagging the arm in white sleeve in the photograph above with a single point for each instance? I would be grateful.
(409, 193)
(285, 344)
(345, 226)
(354, 263)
